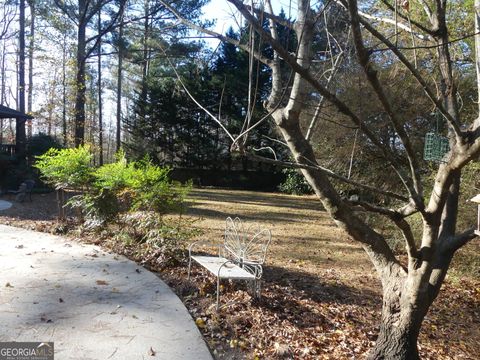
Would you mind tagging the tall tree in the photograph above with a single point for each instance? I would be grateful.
(20, 135)
(120, 50)
(31, 44)
(100, 89)
(81, 13)
(411, 286)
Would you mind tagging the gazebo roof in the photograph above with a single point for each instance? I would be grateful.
(7, 113)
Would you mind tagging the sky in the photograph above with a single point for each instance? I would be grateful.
(227, 15)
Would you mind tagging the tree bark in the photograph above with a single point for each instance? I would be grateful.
(80, 77)
(31, 4)
(396, 343)
(64, 88)
(100, 104)
(146, 55)
(20, 137)
(119, 84)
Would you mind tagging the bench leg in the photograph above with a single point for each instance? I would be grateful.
(189, 266)
(218, 292)
(257, 285)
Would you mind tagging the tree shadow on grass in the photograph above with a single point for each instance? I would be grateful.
(265, 216)
(261, 199)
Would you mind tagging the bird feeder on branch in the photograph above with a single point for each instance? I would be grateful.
(476, 200)
(436, 145)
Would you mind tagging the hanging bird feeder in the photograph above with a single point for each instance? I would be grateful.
(436, 145)
(476, 200)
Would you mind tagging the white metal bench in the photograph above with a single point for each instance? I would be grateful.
(240, 257)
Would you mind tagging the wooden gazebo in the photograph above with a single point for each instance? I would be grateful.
(19, 146)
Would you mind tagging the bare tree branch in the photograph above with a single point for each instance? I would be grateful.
(456, 242)
(221, 37)
(405, 17)
(305, 73)
(402, 26)
(364, 60)
(453, 123)
(331, 174)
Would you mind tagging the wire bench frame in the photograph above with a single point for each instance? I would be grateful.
(240, 257)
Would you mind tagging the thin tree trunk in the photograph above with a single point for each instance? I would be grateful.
(2, 89)
(100, 109)
(20, 123)
(30, 64)
(80, 96)
(61, 204)
(64, 86)
(119, 84)
(146, 35)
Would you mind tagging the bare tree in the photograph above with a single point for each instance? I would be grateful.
(409, 288)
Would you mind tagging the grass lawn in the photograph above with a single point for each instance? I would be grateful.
(321, 297)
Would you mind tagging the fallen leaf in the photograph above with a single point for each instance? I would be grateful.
(101, 282)
(151, 352)
(8, 285)
(200, 323)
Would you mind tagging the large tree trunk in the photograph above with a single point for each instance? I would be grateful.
(395, 342)
(80, 80)
(402, 317)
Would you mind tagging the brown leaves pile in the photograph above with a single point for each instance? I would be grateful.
(340, 322)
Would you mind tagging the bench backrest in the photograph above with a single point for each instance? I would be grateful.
(246, 244)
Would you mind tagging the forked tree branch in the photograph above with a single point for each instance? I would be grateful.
(398, 218)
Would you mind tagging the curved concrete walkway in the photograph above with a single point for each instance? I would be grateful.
(92, 304)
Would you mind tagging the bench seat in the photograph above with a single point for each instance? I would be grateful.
(240, 257)
(223, 268)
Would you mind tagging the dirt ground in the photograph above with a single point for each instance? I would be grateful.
(321, 298)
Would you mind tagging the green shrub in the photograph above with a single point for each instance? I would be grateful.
(294, 183)
(135, 195)
(155, 191)
(64, 168)
(116, 176)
